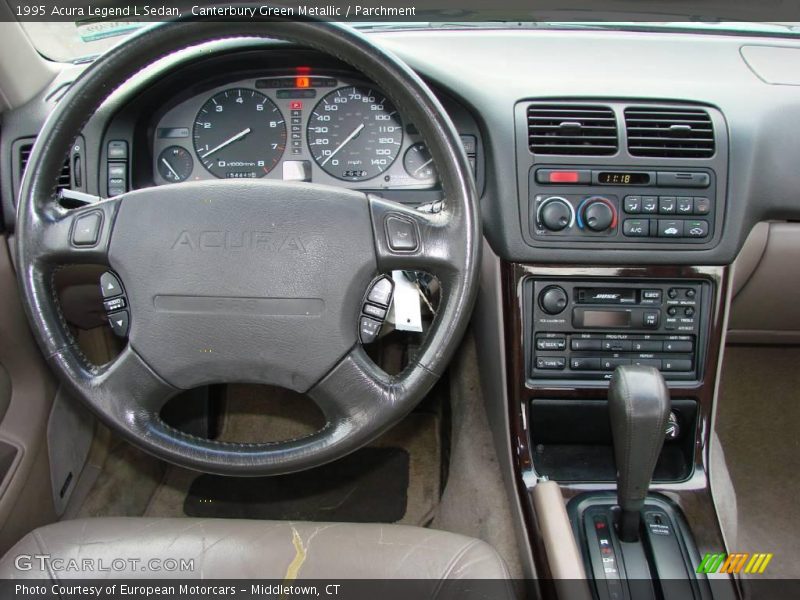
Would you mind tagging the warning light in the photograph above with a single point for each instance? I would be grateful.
(296, 105)
(302, 82)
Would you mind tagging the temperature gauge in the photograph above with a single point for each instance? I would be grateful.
(175, 164)
(419, 163)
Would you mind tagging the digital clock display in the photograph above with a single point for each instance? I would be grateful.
(623, 178)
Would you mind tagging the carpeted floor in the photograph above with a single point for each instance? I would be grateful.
(757, 424)
(135, 484)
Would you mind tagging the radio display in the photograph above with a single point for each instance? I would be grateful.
(623, 178)
(606, 318)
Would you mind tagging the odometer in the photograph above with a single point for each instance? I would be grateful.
(354, 133)
(239, 133)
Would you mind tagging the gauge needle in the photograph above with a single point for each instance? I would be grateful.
(230, 140)
(169, 166)
(423, 165)
(356, 131)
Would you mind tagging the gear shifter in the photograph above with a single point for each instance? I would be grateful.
(638, 403)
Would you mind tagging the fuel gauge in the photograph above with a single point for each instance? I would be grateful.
(175, 164)
(419, 163)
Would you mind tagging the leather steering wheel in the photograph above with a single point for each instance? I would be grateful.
(276, 297)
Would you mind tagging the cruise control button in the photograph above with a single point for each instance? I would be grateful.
(696, 229)
(402, 234)
(670, 228)
(119, 322)
(636, 227)
(551, 362)
(368, 330)
(86, 230)
(374, 311)
(381, 292)
(114, 304)
(110, 285)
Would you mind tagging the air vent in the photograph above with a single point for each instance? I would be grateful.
(669, 132)
(572, 129)
(64, 178)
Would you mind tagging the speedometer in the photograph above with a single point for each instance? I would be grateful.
(239, 133)
(354, 133)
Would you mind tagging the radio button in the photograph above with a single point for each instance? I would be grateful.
(678, 346)
(584, 364)
(553, 300)
(650, 204)
(585, 344)
(647, 346)
(654, 295)
(636, 228)
(633, 205)
(650, 318)
(616, 345)
(676, 365)
(551, 343)
(551, 362)
(647, 362)
(666, 205)
(609, 364)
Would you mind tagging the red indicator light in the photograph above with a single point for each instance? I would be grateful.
(302, 82)
(296, 105)
(564, 177)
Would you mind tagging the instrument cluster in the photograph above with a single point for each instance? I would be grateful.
(300, 127)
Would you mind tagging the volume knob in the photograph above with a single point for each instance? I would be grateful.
(556, 213)
(553, 299)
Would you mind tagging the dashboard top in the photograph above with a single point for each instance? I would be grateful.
(486, 74)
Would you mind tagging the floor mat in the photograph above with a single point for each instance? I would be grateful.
(757, 416)
(258, 414)
(368, 486)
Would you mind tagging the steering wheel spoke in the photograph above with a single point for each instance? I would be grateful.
(409, 239)
(79, 235)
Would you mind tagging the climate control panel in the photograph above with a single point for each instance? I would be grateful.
(642, 205)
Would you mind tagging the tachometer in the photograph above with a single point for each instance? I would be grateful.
(239, 133)
(354, 133)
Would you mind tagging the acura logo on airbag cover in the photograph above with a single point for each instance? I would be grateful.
(270, 241)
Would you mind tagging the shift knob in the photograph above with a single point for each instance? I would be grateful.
(638, 405)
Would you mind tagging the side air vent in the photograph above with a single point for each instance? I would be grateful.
(572, 129)
(64, 178)
(669, 132)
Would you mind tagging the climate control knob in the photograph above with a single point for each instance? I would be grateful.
(553, 299)
(555, 213)
(597, 214)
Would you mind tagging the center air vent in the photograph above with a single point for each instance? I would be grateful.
(64, 178)
(572, 129)
(669, 132)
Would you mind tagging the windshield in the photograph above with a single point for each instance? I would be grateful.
(65, 41)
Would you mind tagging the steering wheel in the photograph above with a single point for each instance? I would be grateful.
(247, 281)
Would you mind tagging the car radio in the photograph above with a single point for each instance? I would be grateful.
(584, 330)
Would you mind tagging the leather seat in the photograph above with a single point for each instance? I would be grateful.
(242, 549)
